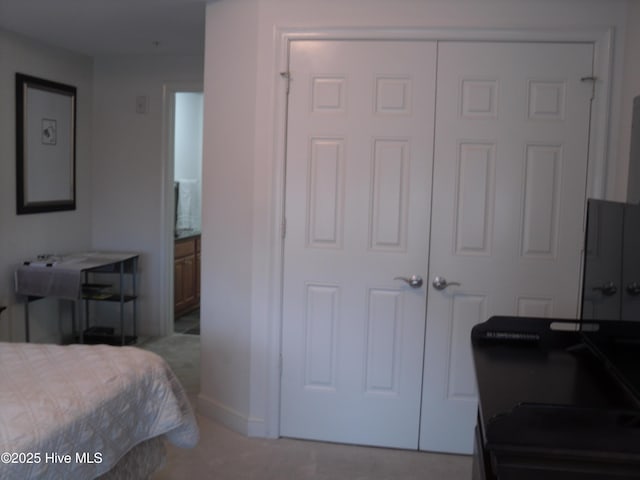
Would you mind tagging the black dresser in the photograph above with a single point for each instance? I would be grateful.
(557, 399)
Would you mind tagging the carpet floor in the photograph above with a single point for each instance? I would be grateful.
(188, 323)
(182, 353)
(225, 455)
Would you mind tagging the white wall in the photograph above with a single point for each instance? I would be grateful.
(24, 236)
(120, 174)
(240, 326)
(228, 208)
(129, 173)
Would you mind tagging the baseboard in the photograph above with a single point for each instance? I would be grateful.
(230, 418)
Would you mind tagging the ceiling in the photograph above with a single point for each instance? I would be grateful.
(110, 27)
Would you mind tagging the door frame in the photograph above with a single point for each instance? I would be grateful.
(602, 40)
(167, 207)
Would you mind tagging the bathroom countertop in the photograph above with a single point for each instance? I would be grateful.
(184, 233)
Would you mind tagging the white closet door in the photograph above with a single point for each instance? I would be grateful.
(358, 192)
(510, 167)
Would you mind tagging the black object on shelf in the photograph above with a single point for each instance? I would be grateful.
(98, 335)
(557, 399)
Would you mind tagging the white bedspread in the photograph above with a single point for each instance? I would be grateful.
(87, 401)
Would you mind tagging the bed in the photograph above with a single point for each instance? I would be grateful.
(88, 411)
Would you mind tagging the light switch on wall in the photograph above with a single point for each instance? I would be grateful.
(141, 104)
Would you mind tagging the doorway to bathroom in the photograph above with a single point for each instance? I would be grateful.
(184, 156)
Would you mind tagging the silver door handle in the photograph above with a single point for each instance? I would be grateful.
(607, 289)
(415, 281)
(633, 289)
(440, 283)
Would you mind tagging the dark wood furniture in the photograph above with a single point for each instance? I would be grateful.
(556, 403)
(186, 275)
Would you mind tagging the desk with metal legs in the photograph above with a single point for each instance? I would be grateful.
(67, 277)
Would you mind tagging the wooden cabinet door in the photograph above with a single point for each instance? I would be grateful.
(178, 285)
(186, 279)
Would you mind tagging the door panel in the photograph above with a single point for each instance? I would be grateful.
(630, 282)
(611, 272)
(358, 192)
(603, 289)
(510, 166)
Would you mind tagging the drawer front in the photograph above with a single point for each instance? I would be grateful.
(184, 248)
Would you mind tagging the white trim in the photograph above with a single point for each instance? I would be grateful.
(584, 35)
(276, 274)
(599, 164)
(166, 203)
(230, 418)
(602, 40)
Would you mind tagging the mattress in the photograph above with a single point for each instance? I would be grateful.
(74, 411)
